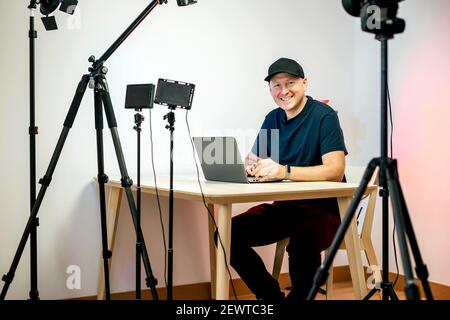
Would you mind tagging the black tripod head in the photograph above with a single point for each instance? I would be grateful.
(377, 16)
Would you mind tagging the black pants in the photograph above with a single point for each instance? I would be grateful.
(310, 225)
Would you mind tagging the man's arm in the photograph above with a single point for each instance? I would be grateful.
(331, 169)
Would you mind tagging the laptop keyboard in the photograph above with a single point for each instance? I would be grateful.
(255, 179)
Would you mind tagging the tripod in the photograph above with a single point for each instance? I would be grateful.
(97, 81)
(390, 186)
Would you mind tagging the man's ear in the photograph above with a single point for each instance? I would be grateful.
(305, 83)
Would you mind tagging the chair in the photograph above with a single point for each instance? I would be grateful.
(353, 174)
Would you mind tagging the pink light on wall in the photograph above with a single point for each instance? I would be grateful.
(422, 143)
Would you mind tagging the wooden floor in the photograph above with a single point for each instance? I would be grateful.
(341, 291)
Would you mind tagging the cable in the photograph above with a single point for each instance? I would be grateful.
(357, 217)
(391, 120)
(211, 215)
(157, 198)
(392, 153)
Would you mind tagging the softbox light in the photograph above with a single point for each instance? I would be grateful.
(49, 6)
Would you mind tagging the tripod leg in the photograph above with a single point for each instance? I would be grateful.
(126, 181)
(411, 290)
(384, 193)
(102, 178)
(371, 293)
(45, 181)
(391, 292)
(322, 272)
(421, 268)
(387, 289)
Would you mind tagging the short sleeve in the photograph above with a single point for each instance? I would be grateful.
(331, 135)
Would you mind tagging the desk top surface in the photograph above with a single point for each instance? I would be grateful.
(188, 187)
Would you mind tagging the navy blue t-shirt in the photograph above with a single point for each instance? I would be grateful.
(304, 139)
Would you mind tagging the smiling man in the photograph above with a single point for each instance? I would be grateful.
(301, 140)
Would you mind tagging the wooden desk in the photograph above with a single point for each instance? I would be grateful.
(221, 196)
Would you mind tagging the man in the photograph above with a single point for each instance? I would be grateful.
(310, 147)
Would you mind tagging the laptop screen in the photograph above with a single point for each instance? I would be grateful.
(220, 159)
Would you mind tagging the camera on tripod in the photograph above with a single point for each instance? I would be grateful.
(377, 16)
(386, 25)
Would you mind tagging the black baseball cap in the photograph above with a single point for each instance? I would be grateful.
(285, 65)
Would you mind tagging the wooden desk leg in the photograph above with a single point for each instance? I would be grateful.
(224, 227)
(353, 246)
(212, 249)
(112, 210)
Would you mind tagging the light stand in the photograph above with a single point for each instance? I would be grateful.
(170, 117)
(96, 80)
(47, 7)
(33, 131)
(138, 119)
(138, 97)
(172, 94)
(387, 26)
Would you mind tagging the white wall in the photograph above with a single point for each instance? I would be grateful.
(419, 71)
(224, 47)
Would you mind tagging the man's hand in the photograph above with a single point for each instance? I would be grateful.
(250, 169)
(267, 169)
(250, 163)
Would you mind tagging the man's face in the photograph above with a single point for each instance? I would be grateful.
(288, 91)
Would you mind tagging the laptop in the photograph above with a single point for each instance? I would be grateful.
(221, 161)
